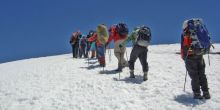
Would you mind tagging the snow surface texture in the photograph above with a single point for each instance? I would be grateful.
(63, 83)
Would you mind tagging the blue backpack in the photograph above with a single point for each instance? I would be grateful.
(200, 37)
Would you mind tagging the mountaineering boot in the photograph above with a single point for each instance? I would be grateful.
(119, 69)
(206, 95)
(197, 96)
(145, 76)
(132, 74)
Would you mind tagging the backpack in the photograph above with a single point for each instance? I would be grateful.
(102, 33)
(198, 38)
(122, 29)
(143, 36)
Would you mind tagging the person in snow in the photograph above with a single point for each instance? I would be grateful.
(140, 38)
(119, 33)
(91, 45)
(74, 41)
(82, 47)
(100, 49)
(194, 64)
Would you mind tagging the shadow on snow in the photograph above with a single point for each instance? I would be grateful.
(187, 100)
(137, 80)
(91, 67)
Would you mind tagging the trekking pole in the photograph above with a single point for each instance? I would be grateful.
(184, 88)
(209, 53)
(208, 58)
(104, 61)
(120, 62)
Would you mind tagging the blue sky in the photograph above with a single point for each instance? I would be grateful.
(34, 28)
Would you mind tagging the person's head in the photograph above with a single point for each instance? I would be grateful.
(91, 32)
(112, 28)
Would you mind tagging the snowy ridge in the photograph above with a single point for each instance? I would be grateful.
(62, 83)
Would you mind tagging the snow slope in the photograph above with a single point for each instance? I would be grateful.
(62, 83)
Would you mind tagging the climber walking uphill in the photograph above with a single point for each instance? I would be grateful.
(119, 34)
(82, 46)
(195, 42)
(90, 45)
(101, 37)
(74, 41)
(140, 37)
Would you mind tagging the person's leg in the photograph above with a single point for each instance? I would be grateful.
(101, 55)
(93, 54)
(76, 50)
(192, 68)
(80, 52)
(203, 79)
(118, 56)
(123, 63)
(143, 60)
(132, 60)
(73, 51)
(84, 52)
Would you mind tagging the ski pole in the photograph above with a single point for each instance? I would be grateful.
(120, 62)
(184, 88)
(208, 58)
(104, 60)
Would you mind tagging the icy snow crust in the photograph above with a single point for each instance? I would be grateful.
(63, 83)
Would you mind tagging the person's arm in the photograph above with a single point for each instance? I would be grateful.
(131, 37)
(93, 38)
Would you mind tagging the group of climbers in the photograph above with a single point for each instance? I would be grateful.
(195, 42)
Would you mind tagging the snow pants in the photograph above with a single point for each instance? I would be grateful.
(141, 53)
(119, 54)
(101, 55)
(82, 52)
(75, 49)
(196, 71)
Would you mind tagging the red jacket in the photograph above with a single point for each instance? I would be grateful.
(114, 35)
(94, 38)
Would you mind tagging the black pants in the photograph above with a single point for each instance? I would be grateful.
(196, 70)
(82, 52)
(87, 51)
(75, 49)
(141, 53)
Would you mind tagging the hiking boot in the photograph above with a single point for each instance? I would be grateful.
(197, 96)
(118, 69)
(132, 74)
(206, 95)
(145, 76)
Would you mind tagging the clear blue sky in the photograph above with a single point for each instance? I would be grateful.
(33, 28)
